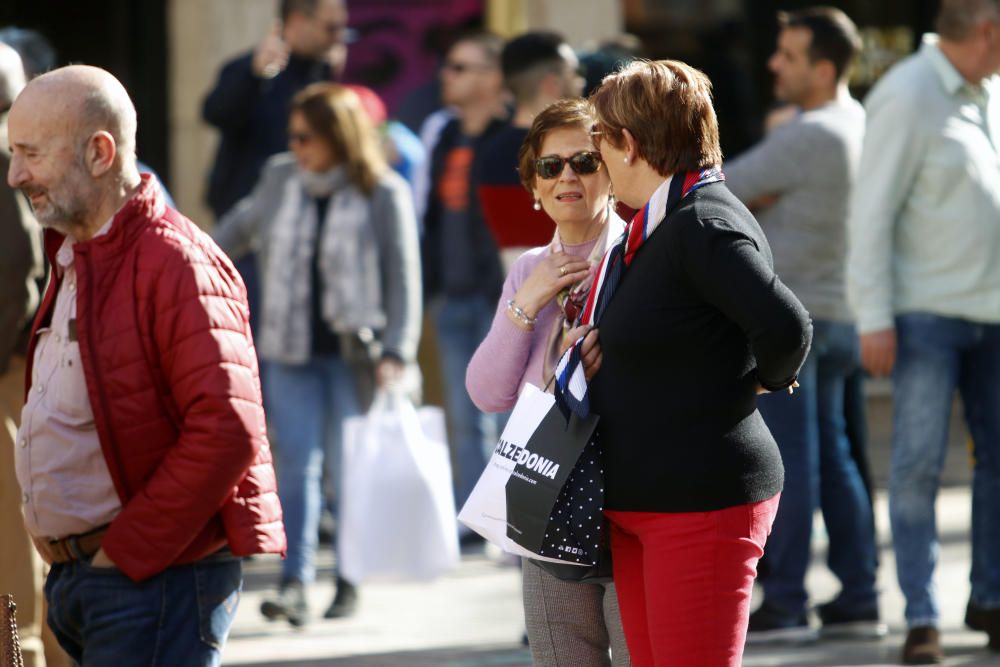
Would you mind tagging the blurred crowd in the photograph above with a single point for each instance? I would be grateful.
(376, 255)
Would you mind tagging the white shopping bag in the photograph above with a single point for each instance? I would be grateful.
(512, 502)
(397, 511)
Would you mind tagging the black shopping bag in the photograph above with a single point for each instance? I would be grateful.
(540, 498)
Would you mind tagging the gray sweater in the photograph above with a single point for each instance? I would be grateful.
(249, 226)
(810, 164)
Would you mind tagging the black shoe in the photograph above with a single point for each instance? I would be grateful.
(290, 604)
(984, 620)
(842, 623)
(345, 601)
(769, 625)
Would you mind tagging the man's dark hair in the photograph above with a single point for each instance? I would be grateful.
(489, 43)
(834, 35)
(530, 49)
(289, 7)
(528, 58)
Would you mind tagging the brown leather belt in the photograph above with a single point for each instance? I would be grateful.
(75, 547)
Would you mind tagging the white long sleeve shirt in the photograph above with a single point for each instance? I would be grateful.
(924, 231)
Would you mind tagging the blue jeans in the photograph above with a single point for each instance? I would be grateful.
(936, 355)
(306, 408)
(462, 324)
(810, 430)
(181, 616)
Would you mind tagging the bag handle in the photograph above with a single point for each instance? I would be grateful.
(393, 399)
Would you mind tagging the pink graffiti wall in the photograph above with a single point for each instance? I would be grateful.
(399, 41)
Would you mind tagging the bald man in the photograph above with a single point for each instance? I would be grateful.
(142, 458)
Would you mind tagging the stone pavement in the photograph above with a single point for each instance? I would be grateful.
(473, 618)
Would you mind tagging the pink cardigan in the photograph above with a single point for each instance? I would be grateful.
(510, 356)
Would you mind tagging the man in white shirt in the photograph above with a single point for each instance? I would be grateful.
(806, 169)
(924, 277)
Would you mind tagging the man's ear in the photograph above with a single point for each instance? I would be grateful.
(826, 73)
(551, 86)
(100, 153)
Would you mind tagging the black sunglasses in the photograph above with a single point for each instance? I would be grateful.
(461, 68)
(582, 163)
(302, 138)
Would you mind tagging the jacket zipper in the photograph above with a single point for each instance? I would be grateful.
(96, 368)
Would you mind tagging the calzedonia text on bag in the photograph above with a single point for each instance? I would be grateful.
(512, 503)
(527, 459)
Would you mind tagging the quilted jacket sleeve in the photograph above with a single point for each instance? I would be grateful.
(201, 332)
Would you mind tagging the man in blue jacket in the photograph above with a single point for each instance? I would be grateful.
(249, 103)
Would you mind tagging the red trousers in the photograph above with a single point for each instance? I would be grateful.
(684, 582)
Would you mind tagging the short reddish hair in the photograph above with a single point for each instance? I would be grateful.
(569, 112)
(667, 106)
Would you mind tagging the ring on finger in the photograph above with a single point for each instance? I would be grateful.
(562, 270)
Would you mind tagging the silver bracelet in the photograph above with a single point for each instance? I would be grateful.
(519, 314)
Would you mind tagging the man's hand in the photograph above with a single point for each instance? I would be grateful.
(791, 388)
(271, 55)
(387, 371)
(590, 351)
(101, 559)
(878, 351)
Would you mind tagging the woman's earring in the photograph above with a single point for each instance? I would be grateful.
(626, 160)
(537, 205)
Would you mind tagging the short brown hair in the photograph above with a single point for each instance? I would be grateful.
(335, 113)
(834, 35)
(572, 112)
(667, 106)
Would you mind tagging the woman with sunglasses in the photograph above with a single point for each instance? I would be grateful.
(336, 239)
(692, 324)
(568, 622)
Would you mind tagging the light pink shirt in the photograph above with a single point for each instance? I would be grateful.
(509, 357)
(65, 483)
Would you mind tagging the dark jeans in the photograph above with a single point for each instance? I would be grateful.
(178, 617)
(810, 430)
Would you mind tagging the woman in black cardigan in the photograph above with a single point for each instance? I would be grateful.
(698, 325)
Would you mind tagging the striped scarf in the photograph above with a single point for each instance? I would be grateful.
(571, 385)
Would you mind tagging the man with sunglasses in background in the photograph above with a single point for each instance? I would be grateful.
(461, 265)
(539, 68)
(249, 103)
(799, 180)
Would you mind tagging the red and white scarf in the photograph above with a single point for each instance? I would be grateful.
(573, 300)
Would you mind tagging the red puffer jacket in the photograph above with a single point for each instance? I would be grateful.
(172, 376)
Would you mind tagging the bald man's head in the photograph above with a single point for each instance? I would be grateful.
(72, 137)
(11, 75)
(92, 99)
